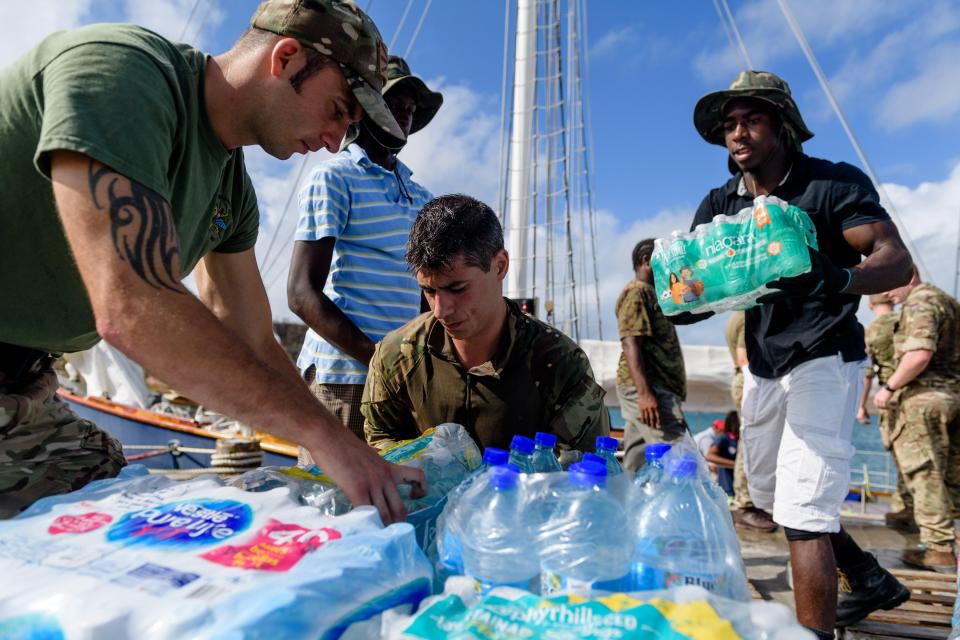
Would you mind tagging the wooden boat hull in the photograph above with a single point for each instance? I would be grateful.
(141, 428)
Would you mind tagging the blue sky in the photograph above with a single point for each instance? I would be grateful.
(892, 64)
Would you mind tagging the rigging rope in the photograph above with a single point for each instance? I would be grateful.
(736, 32)
(825, 85)
(403, 18)
(416, 31)
(264, 268)
(183, 34)
(501, 191)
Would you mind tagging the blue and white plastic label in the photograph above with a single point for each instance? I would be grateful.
(191, 523)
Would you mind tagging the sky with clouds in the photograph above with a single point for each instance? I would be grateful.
(891, 64)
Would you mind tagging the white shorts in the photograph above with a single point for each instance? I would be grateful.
(796, 440)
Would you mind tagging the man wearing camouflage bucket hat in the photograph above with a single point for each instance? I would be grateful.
(356, 210)
(124, 172)
(804, 345)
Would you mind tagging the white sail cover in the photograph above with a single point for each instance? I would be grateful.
(709, 373)
(109, 374)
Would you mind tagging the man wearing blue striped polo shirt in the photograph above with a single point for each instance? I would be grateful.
(349, 281)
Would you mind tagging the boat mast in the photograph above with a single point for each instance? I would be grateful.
(518, 188)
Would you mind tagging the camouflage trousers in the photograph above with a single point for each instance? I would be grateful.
(901, 500)
(926, 444)
(45, 448)
(741, 492)
(636, 434)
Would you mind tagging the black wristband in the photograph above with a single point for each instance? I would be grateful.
(887, 387)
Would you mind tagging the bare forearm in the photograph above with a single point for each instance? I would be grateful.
(331, 323)
(912, 364)
(719, 460)
(867, 383)
(177, 338)
(887, 267)
(631, 353)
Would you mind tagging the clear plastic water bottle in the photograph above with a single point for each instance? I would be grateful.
(651, 474)
(544, 460)
(521, 453)
(683, 539)
(496, 545)
(586, 544)
(449, 547)
(606, 448)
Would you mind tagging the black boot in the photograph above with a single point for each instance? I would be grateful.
(866, 588)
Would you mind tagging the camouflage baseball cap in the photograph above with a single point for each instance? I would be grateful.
(340, 30)
(428, 102)
(762, 85)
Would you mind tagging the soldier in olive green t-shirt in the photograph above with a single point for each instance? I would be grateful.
(123, 172)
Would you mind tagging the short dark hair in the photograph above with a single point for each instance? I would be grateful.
(644, 249)
(253, 38)
(450, 226)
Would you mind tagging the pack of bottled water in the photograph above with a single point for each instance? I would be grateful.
(593, 529)
(141, 556)
(728, 262)
(446, 454)
(513, 614)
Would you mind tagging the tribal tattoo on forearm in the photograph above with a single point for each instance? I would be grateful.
(142, 229)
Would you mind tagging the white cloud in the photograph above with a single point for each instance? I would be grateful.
(459, 151)
(31, 21)
(931, 95)
(169, 18)
(613, 40)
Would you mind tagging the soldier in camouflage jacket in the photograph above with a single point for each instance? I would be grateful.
(475, 358)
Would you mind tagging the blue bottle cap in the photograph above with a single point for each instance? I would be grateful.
(546, 440)
(594, 458)
(587, 473)
(684, 466)
(504, 476)
(606, 443)
(493, 457)
(521, 444)
(655, 451)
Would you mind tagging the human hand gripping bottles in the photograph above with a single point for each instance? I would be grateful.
(496, 539)
(585, 543)
(727, 263)
(682, 538)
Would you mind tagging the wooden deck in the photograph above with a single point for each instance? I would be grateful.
(926, 616)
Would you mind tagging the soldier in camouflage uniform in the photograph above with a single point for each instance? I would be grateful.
(924, 395)
(123, 173)
(475, 358)
(651, 380)
(745, 513)
(879, 342)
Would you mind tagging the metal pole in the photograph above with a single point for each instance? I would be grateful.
(524, 78)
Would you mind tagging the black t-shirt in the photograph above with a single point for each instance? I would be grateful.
(785, 334)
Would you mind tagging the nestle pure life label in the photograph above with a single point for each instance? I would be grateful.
(727, 263)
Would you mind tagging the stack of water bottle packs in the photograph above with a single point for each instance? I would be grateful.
(728, 262)
(446, 454)
(521, 521)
